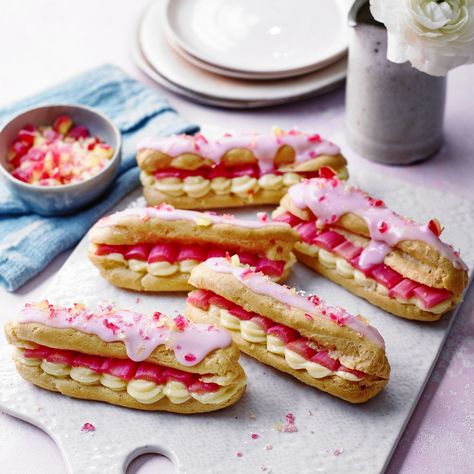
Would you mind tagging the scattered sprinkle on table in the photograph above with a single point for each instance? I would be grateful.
(88, 427)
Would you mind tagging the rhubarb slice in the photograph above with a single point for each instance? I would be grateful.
(307, 231)
(241, 313)
(104, 249)
(243, 170)
(122, 368)
(138, 252)
(200, 298)
(216, 253)
(386, 276)
(347, 250)
(179, 376)
(40, 352)
(270, 267)
(221, 302)
(163, 253)
(85, 360)
(203, 387)
(431, 297)
(176, 173)
(288, 218)
(365, 270)
(329, 239)
(263, 322)
(219, 171)
(59, 356)
(302, 348)
(404, 289)
(192, 252)
(150, 372)
(284, 333)
(327, 172)
(248, 258)
(322, 358)
(357, 373)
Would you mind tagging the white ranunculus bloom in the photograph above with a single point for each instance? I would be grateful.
(435, 36)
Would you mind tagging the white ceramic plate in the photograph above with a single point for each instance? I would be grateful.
(142, 63)
(185, 77)
(275, 37)
(229, 72)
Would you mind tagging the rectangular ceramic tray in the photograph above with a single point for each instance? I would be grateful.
(333, 436)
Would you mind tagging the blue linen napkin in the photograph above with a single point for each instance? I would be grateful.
(28, 242)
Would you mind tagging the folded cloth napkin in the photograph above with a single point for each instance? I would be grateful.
(28, 242)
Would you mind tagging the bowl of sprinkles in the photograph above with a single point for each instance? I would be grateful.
(59, 158)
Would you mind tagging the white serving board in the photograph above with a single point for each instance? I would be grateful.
(333, 436)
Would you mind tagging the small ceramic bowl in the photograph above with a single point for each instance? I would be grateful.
(67, 198)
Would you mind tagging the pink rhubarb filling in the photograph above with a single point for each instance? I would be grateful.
(397, 284)
(292, 339)
(172, 253)
(221, 171)
(124, 369)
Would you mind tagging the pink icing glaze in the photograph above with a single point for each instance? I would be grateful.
(330, 199)
(167, 212)
(263, 146)
(141, 334)
(262, 285)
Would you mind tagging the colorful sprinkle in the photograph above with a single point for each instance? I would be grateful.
(289, 426)
(180, 322)
(109, 325)
(382, 227)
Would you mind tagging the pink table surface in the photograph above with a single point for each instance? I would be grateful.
(45, 42)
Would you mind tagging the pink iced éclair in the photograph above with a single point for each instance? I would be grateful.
(330, 199)
(261, 284)
(140, 334)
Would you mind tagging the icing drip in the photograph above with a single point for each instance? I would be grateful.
(374, 253)
(330, 199)
(263, 146)
(141, 334)
(261, 284)
(167, 212)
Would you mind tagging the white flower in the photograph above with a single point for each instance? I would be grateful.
(435, 36)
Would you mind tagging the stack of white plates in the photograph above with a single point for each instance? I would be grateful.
(244, 53)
